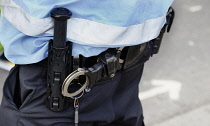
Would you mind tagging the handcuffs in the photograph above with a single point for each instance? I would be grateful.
(109, 62)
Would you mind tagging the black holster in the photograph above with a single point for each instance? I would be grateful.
(59, 61)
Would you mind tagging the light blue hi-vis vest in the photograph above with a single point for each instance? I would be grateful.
(26, 25)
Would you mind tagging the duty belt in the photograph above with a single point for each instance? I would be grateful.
(108, 63)
(62, 72)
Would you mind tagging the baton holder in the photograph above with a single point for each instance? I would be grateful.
(59, 61)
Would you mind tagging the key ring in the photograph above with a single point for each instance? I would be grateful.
(68, 81)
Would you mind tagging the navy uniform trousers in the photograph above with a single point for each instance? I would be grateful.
(111, 102)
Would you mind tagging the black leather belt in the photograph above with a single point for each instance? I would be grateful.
(106, 65)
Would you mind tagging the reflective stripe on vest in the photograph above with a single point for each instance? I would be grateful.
(82, 30)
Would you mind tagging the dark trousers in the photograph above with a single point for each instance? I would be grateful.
(111, 102)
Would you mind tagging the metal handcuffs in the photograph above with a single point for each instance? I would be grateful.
(68, 81)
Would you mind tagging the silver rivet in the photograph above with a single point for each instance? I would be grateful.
(112, 75)
(87, 90)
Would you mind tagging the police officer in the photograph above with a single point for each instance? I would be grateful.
(97, 30)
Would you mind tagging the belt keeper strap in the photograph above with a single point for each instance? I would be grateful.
(111, 60)
(95, 73)
(107, 66)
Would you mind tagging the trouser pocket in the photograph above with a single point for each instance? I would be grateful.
(8, 110)
(9, 89)
(19, 93)
(21, 85)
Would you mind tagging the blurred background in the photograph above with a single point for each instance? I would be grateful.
(175, 87)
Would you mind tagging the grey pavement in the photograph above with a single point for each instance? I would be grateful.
(182, 61)
(184, 58)
(192, 118)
